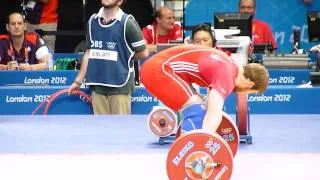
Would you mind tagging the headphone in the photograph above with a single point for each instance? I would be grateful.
(214, 40)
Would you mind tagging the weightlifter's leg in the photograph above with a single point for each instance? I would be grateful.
(193, 113)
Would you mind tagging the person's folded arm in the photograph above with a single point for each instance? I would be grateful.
(3, 67)
(152, 47)
(43, 63)
(43, 55)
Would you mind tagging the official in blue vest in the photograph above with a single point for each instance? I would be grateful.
(114, 40)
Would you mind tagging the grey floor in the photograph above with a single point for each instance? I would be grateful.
(121, 147)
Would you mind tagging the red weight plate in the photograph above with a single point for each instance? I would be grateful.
(162, 122)
(229, 132)
(199, 155)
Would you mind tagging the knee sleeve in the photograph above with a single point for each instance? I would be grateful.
(193, 117)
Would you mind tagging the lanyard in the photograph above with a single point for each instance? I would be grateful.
(155, 36)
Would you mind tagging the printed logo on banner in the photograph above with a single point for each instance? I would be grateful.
(270, 98)
(144, 98)
(282, 80)
(26, 99)
(41, 80)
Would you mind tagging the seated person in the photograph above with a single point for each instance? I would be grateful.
(21, 50)
(202, 35)
(261, 32)
(163, 30)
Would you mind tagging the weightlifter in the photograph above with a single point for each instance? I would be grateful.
(169, 74)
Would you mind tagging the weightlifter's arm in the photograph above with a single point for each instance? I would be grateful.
(213, 115)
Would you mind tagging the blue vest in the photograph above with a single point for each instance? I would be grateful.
(110, 56)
